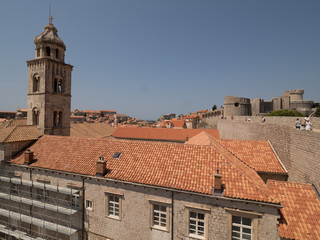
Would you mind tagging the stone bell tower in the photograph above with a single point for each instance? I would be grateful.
(49, 84)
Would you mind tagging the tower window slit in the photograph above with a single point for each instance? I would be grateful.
(48, 51)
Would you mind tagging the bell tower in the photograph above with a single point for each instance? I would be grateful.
(49, 84)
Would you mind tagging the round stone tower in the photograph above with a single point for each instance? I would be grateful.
(296, 95)
(237, 106)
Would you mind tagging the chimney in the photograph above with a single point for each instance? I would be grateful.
(101, 166)
(28, 157)
(217, 190)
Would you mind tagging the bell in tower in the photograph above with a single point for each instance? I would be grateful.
(49, 84)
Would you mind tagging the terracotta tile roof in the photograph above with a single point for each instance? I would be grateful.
(19, 133)
(161, 134)
(301, 210)
(98, 130)
(202, 111)
(202, 138)
(14, 122)
(178, 123)
(107, 111)
(256, 154)
(171, 165)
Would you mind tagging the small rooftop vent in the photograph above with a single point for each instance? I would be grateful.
(116, 154)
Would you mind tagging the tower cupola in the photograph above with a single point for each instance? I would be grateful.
(49, 44)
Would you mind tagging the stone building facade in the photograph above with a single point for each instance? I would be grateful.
(47, 196)
(291, 100)
(49, 84)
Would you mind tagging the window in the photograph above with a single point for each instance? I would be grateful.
(57, 119)
(75, 201)
(89, 204)
(113, 206)
(14, 188)
(57, 85)
(159, 216)
(241, 228)
(55, 116)
(38, 52)
(36, 83)
(60, 86)
(43, 194)
(196, 223)
(242, 224)
(35, 116)
(48, 51)
(57, 53)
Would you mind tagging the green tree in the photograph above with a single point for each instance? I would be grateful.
(284, 113)
(317, 113)
(214, 107)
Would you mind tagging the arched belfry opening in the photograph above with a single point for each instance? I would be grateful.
(49, 84)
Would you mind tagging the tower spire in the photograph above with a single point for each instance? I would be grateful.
(50, 16)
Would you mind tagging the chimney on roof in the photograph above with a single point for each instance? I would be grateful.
(28, 157)
(217, 190)
(101, 166)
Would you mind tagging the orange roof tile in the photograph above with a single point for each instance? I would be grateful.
(178, 123)
(19, 133)
(202, 111)
(161, 134)
(107, 111)
(170, 165)
(91, 130)
(301, 210)
(257, 154)
(14, 122)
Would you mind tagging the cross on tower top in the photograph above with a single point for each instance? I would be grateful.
(50, 19)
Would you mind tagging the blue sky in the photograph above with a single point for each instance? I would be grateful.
(146, 58)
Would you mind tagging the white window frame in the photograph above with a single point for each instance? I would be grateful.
(199, 223)
(241, 226)
(89, 204)
(113, 203)
(243, 214)
(159, 213)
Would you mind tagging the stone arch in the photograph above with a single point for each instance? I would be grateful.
(57, 119)
(36, 83)
(58, 84)
(35, 116)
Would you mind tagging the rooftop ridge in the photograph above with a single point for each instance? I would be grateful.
(264, 187)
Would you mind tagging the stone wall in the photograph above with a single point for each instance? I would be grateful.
(286, 121)
(299, 150)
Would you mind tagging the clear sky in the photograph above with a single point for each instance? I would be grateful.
(146, 58)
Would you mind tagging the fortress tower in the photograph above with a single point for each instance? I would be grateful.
(237, 106)
(49, 84)
(296, 95)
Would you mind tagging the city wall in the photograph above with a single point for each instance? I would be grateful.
(299, 150)
(286, 121)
